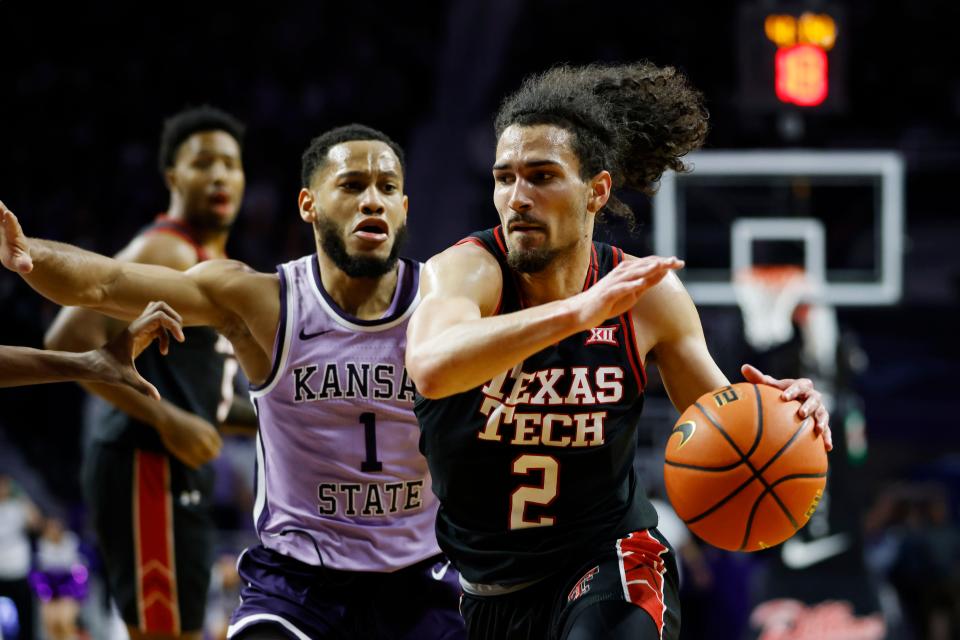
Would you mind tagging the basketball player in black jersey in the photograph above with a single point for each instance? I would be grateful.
(146, 475)
(529, 350)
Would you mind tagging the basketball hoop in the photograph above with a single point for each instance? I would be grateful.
(768, 296)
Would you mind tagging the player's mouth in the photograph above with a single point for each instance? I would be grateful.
(220, 201)
(373, 230)
(525, 228)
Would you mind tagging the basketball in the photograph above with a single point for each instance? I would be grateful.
(741, 470)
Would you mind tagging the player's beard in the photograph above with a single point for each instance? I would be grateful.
(531, 260)
(536, 259)
(331, 241)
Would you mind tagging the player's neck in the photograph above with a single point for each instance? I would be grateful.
(363, 298)
(563, 277)
(213, 241)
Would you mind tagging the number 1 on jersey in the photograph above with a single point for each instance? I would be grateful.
(540, 495)
(369, 421)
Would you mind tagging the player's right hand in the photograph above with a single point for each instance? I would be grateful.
(14, 248)
(618, 291)
(113, 362)
(189, 438)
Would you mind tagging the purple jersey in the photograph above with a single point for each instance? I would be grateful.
(340, 480)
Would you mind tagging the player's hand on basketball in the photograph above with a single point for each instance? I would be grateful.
(619, 290)
(157, 322)
(802, 390)
(191, 439)
(14, 248)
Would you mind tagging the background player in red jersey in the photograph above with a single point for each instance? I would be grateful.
(156, 538)
(528, 350)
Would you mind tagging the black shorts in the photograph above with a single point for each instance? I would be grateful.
(154, 531)
(627, 590)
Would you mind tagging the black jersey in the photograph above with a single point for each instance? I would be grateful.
(194, 375)
(535, 467)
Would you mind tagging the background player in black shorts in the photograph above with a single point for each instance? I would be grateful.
(528, 350)
(146, 474)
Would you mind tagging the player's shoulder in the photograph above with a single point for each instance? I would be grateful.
(465, 255)
(165, 249)
(666, 303)
(463, 270)
(670, 284)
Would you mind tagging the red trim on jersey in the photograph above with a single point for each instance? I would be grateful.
(630, 336)
(501, 241)
(641, 572)
(632, 351)
(156, 571)
(593, 269)
(471, 240)
(181, 230)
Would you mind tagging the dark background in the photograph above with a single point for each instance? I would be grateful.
(85, 89)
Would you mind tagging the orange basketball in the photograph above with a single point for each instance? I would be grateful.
(741, 471)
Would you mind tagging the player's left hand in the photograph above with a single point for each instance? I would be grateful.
(14, 249)
(801, 389)
(115, 359)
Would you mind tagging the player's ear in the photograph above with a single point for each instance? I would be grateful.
(307, 204)
(406, 205)
(600, 188)
(170, 178)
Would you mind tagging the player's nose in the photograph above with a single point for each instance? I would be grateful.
(370, 202)
(519, 198)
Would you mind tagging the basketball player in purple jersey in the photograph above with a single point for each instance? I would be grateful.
(344, 507)
(529, 351)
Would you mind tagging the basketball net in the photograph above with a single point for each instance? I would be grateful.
(771, 297)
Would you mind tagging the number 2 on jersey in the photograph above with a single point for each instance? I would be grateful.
(543, 494)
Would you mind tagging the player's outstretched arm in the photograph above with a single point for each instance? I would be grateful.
(71, 276)
(112, 363)
(455, 344)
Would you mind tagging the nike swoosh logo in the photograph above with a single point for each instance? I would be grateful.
(438, 574)
(797, 554)
(309, 336)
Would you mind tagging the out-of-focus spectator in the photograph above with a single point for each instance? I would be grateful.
(223, 597)
(18, 516)
(922, 559)
(59, 579)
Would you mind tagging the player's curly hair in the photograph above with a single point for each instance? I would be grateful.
(634, 120)
(184, 124)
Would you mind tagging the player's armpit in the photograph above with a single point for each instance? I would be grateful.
(247, 302)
